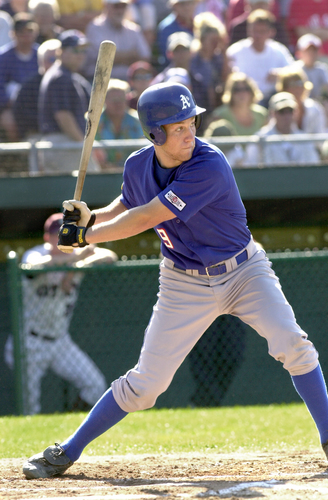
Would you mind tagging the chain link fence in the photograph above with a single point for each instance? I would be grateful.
(106, 317)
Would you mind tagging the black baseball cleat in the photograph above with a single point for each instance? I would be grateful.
(51, 462)
(325, 448)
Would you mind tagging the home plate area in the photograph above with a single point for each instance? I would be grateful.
(297, 476)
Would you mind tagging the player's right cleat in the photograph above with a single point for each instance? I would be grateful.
(51, 462)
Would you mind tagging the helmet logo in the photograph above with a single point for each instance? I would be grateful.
(185, 101)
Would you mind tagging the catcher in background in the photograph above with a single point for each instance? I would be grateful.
(48, 303)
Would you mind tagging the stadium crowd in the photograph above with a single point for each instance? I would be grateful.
(259, 67)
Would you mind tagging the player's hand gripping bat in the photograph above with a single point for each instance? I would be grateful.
(101, 78)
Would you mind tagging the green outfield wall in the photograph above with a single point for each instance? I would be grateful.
(229, 366)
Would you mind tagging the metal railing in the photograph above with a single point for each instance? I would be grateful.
(31, 149)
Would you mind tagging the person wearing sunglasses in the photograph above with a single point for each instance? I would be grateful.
(283, 109)
(240, 105)
(63, 102)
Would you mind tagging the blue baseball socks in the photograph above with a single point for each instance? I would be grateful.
(312, 389)
(102, 417)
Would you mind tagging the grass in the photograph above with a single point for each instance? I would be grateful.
(252, 428)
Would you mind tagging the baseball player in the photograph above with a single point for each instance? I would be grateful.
(48, 304)
(184, 188)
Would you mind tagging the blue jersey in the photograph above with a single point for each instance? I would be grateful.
(210, 224)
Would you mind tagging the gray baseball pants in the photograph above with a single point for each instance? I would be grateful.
(187, 305)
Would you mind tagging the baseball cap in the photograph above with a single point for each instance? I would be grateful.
(72, 38)
(53, 223)
(24, 20)
(179, 75)
(282, 100)
(134, 67)
(178, 38)
(308, 40)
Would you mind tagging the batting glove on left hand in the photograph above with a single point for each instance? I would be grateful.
(70, 236)
(77, 212)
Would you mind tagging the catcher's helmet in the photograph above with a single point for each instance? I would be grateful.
(165, 103)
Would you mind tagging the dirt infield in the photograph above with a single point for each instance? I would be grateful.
(298, 476)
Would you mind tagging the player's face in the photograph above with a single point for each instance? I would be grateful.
(179, 144)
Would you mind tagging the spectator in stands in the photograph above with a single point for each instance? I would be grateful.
(310, 114)
(259, 56)
(181, 18)
(179, 75)
(77, 14)
(240, 108)
(131, 45)
(238, 26)
(25, 107)
(308, 16)
(282, 107)
(143, 12)
(140, 74)
(18, 61)
(6, 26)
(216, 7)
(45, 13)
(307, 53)
(208, 64)
(13, 7)
(178, 52)
(117, 121)
(224, 128)
(63, 101)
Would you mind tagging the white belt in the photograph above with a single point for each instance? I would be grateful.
(223, 267)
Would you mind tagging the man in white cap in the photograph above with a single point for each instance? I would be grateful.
(282, 107)
(131, 45)
(308, 49)
(180, 19)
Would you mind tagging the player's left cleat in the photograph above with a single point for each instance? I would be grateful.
(325, 448)
(51, 462)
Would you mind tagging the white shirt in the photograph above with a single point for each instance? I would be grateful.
(285, 153)
(128, 38)
(257, 65)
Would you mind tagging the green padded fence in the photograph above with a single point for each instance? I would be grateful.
(228, 366)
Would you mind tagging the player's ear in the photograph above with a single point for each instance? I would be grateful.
(46, 237)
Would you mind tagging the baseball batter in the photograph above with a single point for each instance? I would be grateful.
(185, 189)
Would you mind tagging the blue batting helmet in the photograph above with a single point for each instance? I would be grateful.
(165, 103)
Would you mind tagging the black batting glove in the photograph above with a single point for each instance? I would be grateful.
(73, 216)
(71, 235)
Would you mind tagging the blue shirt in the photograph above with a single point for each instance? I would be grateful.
(15, 69)
(210, 224)
(165, 28)
(62, 90)
(130, 129)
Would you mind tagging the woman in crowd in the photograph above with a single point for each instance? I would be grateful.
(208, 66)
(240, 107)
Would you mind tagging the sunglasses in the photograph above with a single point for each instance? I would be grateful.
(78, 50)
(144, 76)
(285, 111)
(241, 89)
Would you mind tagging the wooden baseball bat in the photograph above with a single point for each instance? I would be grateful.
(100, 82)
(101, 78)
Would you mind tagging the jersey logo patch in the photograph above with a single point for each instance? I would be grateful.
(175, 200)
(185, 101)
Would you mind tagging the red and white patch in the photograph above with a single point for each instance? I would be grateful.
(175, 200)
